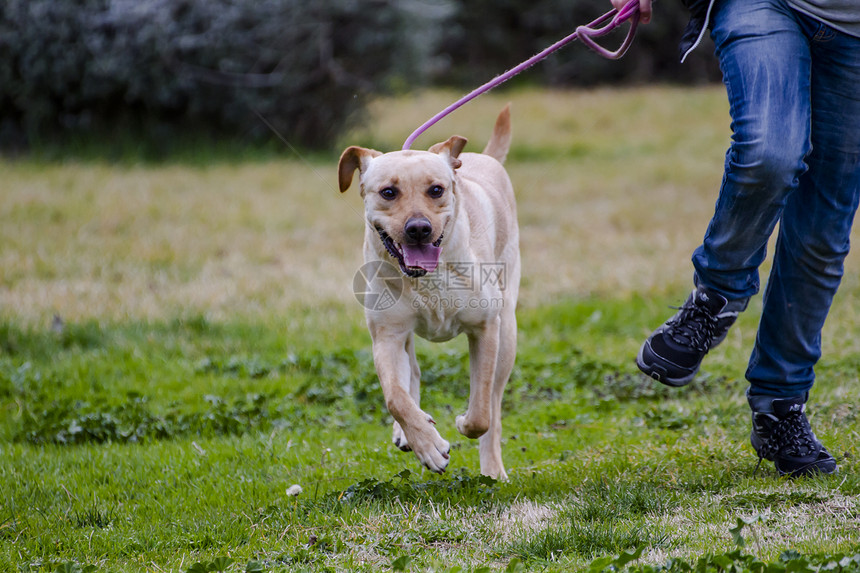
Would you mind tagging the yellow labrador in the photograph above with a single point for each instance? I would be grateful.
(447, 220)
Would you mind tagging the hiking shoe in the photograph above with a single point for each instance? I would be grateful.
(673, 352)
(781, 434)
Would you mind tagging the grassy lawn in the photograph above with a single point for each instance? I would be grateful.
(179, 347)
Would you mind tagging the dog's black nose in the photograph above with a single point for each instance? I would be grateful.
(418, 229)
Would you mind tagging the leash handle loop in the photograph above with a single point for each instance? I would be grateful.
(586, 33)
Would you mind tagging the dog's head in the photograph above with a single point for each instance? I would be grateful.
(409, 198)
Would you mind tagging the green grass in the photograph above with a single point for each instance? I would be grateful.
(208, 356)
(159, 445)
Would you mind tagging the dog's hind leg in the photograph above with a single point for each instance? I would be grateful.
(398, 437)
(483, 353)
(491, 443)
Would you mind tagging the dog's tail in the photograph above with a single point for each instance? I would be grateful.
(500, 142)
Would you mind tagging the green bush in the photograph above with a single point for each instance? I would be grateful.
(158, 70)
(165, 66)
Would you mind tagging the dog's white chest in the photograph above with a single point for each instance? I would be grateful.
(450, 302)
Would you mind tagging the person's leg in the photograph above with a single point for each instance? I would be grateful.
(816, 224)
(765, 60)
(808, 263)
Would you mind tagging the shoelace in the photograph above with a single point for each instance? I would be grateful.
(788, 436)
(695, 327)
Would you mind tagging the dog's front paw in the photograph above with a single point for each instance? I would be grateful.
(399, 438)
(471, 427)
(429, 446)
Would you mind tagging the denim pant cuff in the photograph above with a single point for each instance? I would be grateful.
(764, 402)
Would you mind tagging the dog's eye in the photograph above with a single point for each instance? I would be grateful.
(389, 193)
(436, 191)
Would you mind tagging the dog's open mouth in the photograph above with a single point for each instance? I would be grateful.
(415, 260)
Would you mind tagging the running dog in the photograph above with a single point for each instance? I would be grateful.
(446, 222)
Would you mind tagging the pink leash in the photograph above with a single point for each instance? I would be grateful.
(585, 34)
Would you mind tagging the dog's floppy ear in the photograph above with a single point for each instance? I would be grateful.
(451, 149)
(353, 158)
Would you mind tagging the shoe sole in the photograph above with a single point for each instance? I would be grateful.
(812, 470)
(659, 373)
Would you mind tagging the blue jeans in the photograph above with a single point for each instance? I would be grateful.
(794, 92)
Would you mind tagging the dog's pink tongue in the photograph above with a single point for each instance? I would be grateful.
(424, 256)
